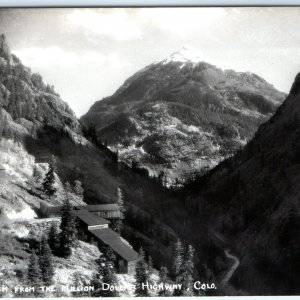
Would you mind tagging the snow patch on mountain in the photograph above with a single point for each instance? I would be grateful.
(184, 55)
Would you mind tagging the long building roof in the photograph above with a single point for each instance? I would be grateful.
(99, 207)
(89, 218)
(91, 208)
(114, 241)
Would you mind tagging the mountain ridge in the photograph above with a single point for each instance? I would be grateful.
(28, 100)
(211, 111)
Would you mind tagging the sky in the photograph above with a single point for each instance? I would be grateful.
(88, 53)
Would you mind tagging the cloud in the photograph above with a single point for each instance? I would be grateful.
(41, 58)
(182, 21)
(116, 23)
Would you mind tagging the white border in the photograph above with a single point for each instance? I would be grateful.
(151, 3)
(85, 3)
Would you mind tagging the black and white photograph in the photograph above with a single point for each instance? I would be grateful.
(149, 151)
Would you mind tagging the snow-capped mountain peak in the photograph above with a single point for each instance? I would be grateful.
(185, 54)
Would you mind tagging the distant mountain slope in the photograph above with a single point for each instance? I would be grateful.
(183, 114)
(253, 199)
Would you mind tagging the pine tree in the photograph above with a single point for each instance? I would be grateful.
(110, 255)
(96, 282)
(37, 176)
(187, 273)
(80, 280)
(53, 239)
(164, 279)
(68, 228)
(178, 258)
(141, 275)
(45, 262)
(34, 271)
(109, 277)
(69, 192)
(120, 202)
(78, 189)
(49, 181)
(177, 266)
(150, 265)
(101, 265)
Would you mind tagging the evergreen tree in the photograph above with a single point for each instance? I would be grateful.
(34, 271)
(45, 262)
(79, 280)
(110, 255)
(78, 189)
(96, 282)
(69, 192)
(141, 275)
(101, 264)
(177, 266)
(164, 279)
(178, 258)
(109, 277)
(37, 176)
(120, 201)
(49, 181)
(187, 273)
(150, 265)
(53, 239)
(67, 227)
(106, 274)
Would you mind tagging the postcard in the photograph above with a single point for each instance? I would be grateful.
(149, 151)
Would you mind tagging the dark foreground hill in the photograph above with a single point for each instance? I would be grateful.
(253, 200)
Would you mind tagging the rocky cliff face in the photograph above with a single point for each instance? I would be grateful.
(26, 102)
(182, 115)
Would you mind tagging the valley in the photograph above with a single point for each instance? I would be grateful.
(197, 154)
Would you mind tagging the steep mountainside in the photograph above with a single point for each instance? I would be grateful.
(34, 114)
(182, 114)
(253, 200)
(35, 125)
(26, 103)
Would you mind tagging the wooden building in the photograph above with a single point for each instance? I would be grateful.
(107, 211)
(92, 228)
(87, 221)
(126, 257)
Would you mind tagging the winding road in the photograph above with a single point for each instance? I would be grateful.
(233, 268)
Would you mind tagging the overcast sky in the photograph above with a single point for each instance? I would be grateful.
(88, 53)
